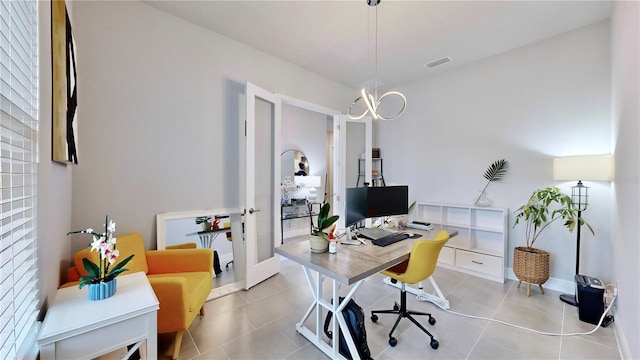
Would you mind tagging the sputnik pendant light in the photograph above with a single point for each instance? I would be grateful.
(372, 101)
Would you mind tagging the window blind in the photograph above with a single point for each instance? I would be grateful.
(18, 163)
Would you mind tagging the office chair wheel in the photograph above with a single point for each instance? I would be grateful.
(434, 344)
(393, 341)
(432, 321)
(374, 317)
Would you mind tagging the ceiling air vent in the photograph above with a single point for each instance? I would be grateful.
(438, 62)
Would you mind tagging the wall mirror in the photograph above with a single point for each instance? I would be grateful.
(292, 162)
(228, 241)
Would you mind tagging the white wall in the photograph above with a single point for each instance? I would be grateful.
(160, 106)
(528, 105)
(54, 180)
(625, 35)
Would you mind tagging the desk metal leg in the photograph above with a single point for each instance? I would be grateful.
(335, 307)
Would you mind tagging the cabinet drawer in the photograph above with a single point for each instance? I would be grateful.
(485, 264)
(447, 256)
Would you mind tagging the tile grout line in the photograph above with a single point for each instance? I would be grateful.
(489, 322)
(564, 309)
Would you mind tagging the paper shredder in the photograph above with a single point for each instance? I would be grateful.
(590, 298)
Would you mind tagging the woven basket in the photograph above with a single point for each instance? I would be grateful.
(531, 265)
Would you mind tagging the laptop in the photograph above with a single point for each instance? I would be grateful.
(374, 233)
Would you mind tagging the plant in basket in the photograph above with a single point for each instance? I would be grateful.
(543, 208)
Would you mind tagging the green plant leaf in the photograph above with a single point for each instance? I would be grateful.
(92, 269)
(324, 220)
(497, 170)
(120, 265)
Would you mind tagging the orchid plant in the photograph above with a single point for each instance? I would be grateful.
(105, 243)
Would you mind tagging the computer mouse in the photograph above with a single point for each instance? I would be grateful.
(409, 234)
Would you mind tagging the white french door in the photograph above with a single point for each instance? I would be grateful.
(262, 201)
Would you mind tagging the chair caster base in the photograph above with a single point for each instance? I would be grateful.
(393, 341)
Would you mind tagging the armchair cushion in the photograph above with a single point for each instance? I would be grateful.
(179, 260)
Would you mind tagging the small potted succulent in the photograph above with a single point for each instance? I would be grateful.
(205, 221)
(320, 238)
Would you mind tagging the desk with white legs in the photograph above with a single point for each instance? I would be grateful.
(77, 328)
(351, 265)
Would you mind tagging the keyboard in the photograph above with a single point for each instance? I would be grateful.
(390, 239)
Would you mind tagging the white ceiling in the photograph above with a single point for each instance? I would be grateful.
(336, 38)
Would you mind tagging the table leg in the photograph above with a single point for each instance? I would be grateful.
(338, 319)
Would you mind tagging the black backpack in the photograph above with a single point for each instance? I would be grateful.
(354, 317)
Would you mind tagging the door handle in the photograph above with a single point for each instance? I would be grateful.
(252, 210)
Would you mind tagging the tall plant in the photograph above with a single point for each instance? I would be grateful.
(537, 213)
(495, 172)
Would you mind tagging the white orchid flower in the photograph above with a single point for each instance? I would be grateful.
(112, 226)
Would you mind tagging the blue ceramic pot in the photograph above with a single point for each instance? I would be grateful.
(102, 290)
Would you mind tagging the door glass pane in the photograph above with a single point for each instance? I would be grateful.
(356, 136)
(264, 185)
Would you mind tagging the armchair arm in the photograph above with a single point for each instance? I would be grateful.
(179, 260)
(174, 303)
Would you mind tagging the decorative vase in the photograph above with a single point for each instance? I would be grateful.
(206, 226)
(483, 200)
(531, 265)
(102, 290)
(318, 244)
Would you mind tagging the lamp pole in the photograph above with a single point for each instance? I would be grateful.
(579, 196)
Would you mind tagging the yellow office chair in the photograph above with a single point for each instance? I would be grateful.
(419, 266)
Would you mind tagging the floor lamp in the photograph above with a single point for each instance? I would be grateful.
(584, 167)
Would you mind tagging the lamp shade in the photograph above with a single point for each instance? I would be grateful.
(308, 181)
(583, 167)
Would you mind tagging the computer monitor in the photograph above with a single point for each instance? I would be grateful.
(355, 205)
(387, 201)
(370, 202)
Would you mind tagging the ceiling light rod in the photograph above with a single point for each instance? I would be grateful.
(372, 101)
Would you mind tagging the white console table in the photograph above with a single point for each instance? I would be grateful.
(77, 328)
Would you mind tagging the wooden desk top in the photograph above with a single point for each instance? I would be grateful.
(352, 263)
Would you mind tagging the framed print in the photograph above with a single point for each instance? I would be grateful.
(64, 91)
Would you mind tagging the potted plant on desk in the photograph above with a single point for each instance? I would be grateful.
(320, 239)
(544, 207)
(205, 221)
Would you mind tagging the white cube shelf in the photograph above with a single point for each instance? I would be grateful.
(481, 245)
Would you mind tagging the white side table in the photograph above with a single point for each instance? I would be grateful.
(77, 328)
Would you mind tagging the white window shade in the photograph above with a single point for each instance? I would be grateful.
(583, 167)
(18, 159)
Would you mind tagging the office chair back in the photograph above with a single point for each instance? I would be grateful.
(422, 261)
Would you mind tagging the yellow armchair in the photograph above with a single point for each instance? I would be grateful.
(180, 277)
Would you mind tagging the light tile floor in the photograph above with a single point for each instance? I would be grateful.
(260, 323)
